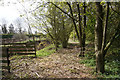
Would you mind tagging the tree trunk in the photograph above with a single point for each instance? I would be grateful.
(101, 55)
(64, 44)
(100, 62)
(84, 35)
(80, 31)
(55, 30)
(98, 38)
(80, 26)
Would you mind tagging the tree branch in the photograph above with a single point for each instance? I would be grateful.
(115, 11)
(38, 7)
(62, 10)
(105, 28)
(74, 21)
(113, 38)
(80, 30)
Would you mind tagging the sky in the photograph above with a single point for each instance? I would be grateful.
(10, 10)
(8, 13)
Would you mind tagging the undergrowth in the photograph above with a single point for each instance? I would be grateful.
(46, 51)
(112, 64)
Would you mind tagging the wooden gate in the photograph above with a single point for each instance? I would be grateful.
(28, 48)
(22, 48)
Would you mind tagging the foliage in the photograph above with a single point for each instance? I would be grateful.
(73, 35)
(112, 63)
(46, 51)
(57, 25)
(91, 20)
(89, 59)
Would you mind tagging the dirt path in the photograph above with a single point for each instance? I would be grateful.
(63, 64)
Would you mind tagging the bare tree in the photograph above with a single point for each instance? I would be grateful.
(18, 22)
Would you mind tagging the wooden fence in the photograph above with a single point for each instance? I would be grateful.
(22, 48)
(28, 48)
(4, 59)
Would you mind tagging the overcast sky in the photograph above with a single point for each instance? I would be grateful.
(10, 10)
(8, 13)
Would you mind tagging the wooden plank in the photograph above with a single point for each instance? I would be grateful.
(26, 45)
(22, 46)
(3, 48)
(21, 49)
(3, 55)
(25, 53)
(4, 67)
(14, 43)
(4, 61)
(3, 52)
(25, 50)
(1, 72)
(18, 44)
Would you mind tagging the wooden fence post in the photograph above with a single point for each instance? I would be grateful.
(8, 63)
(34, 44)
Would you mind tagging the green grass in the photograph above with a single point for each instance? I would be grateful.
(89, 60)
(46, 51)
(112, 65)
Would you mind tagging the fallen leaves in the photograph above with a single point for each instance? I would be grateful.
(64, 64)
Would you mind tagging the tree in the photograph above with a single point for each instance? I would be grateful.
(11, 29)
(60, 26)
(1, 30)
(4, 29)
(65, 30)
(24, 31)
(27, 11)
(80, 32)
(18, 22)
(98, 38)
(84, 28)
(101, 43)
(56, 25)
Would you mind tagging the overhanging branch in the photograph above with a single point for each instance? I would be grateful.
(62, 10)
